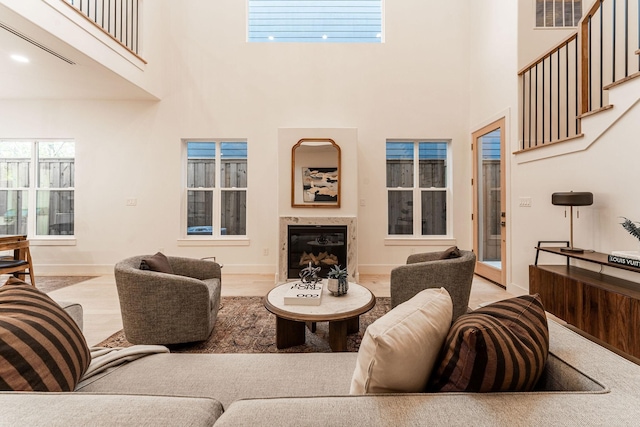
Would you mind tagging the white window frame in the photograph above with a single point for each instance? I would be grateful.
(32, 194)
(417, 191)
(217, 190)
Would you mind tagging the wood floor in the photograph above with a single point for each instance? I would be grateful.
(99, 297)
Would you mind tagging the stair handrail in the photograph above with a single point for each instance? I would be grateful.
(124, 30)
(584, 74)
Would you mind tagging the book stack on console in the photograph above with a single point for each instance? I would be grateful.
(628, 258)
(303, 294)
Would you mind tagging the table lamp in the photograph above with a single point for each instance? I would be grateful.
(572, 199)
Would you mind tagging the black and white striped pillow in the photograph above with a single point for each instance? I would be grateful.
(500, 347)
(41, 347)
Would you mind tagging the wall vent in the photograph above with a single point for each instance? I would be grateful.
(35, 43)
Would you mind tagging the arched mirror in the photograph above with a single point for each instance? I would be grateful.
(315, 173)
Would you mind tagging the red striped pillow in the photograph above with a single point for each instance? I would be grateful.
(500, 347)
(41, 347)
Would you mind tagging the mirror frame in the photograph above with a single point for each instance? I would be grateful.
(335, 204)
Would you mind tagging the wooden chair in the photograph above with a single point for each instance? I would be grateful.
(20, 263)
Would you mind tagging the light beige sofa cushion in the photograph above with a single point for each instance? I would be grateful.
(85, 409)
(399, 349)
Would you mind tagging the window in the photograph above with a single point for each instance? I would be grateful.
(216, 190)
(321, 21)
(37, 187)
(417, 190)
(558, 13)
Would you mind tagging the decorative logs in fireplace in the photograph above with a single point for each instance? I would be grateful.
(323, 258)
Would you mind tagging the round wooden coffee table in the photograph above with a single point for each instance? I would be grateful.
(342, 313)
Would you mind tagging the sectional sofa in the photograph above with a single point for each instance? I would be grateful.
(582, 384)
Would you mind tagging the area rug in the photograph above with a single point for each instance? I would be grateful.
(245, 326)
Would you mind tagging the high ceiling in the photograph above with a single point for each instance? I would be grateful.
(46, 75)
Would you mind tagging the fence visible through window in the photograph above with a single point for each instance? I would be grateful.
(49, 200)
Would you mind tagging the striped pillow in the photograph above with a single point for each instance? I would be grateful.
(500, 347)
(41, 347)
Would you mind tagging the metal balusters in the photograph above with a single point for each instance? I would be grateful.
(626, 38)
(542, 105)
(529, 108)
(558, 115)
(119, 18)
(566, 72)
(613, 42)
(547, 97)
(535, 141)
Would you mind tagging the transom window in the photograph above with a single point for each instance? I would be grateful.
(320, 21)
(417, 187)
(37, 193)
(216, 193)
(558, 13)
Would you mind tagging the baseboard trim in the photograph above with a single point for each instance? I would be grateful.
(72, 269)
(104, 269)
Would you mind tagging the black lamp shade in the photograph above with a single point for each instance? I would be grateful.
(572, 198)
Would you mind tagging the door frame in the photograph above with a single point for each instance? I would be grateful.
(493, 274)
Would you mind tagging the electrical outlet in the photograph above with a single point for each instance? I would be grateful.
(525, 202)
(265, 252)
(132, 202)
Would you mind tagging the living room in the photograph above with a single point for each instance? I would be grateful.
(444, 70)
(408, 87)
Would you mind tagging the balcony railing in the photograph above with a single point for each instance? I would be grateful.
(118, 18)
(571, 80)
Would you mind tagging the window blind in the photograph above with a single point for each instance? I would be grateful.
(321, 21)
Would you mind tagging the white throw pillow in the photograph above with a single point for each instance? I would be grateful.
(399, 350)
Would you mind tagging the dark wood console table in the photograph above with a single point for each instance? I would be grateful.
(606, 307)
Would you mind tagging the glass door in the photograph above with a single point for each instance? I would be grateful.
(489, 202)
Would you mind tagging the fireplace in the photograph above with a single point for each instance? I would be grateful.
(308, 235)
(321, 246)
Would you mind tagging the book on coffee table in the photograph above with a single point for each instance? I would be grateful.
(303, 293)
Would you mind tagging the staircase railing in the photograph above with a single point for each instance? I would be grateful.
(571, 80)
(120, 19)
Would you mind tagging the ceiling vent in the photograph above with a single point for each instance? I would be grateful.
(35, 43)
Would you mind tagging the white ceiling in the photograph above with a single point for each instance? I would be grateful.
(46, 76)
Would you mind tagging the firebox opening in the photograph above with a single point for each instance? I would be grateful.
(321, 245)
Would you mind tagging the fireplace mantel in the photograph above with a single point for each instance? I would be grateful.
(352, 247)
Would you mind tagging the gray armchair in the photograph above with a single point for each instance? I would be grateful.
(427, 270)
(161, 308)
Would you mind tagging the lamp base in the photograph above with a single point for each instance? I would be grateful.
(572, 250)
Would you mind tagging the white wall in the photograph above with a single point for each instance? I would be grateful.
(61, 28)
(605, 168)
(415, 85)
(493, 80)
(532, 41)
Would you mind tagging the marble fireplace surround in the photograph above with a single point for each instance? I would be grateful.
(352, 247)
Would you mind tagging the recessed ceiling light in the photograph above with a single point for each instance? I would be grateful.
(20, 58)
